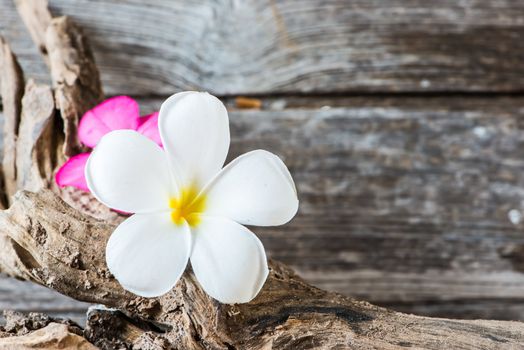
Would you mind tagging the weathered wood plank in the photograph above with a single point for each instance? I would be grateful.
(30, 297)
(276, 46)
(408, 202)
(412, 203)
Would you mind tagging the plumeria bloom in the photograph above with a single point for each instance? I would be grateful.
(120, 112)
(187, 207)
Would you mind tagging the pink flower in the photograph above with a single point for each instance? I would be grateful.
(116, 113)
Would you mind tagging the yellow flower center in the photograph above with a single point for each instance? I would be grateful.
(187, 207)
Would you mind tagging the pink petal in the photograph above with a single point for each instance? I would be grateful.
(120, 112)
(122, 212)
(72, 172)
(148, 126)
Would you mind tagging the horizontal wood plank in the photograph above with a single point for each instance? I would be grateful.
(276, 46)
(415, 203)
(408, 202)
(29, 297)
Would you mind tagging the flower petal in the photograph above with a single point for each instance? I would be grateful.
(129, 172)
(147, 253)
(229, 261)
(120, 112)
(254, 189)
(148, 126)
(194, 128)
(71, 173)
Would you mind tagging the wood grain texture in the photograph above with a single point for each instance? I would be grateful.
(277, 46)
(412, 203)
(36, 144)
(12, 89)
(415, 204)
(30, 297)
(63, 249)
(68, 54)
(36, 18)
(75, 77)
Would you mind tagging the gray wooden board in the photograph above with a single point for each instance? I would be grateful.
(29, 297)
(416, 202)
(413, 203)
(289, 46)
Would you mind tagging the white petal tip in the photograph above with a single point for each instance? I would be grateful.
(228, 260)
(147, 254)
(127, 171)
(254, 189)
(241, 297)
(194, 128)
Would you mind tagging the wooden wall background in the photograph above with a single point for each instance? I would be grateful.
(401, 121)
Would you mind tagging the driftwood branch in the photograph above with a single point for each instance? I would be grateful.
(12, 89)
(36, 17)
(45, 240)
(63, 250)
(74, 73)
(75, 76)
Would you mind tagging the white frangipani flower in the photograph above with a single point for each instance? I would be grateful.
(186, 206)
